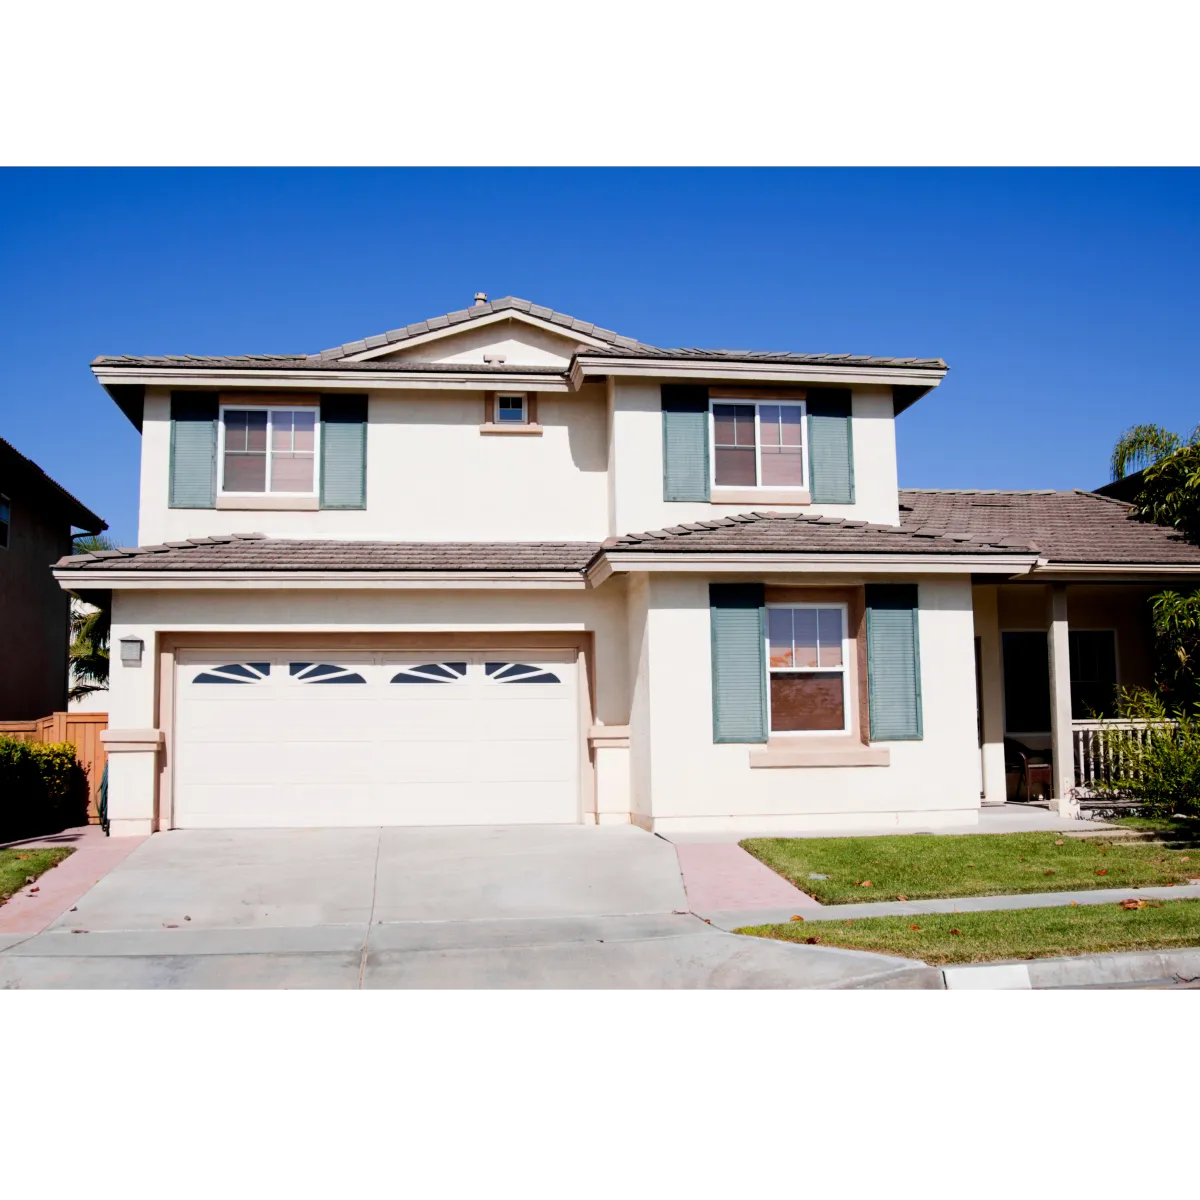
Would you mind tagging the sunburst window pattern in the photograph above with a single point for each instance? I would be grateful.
(235, 673)
(502, 672)
(305, 672)
(447, 672)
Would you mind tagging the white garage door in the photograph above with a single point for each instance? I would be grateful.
(306, 739)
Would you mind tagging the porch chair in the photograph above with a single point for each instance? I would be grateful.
(1034, 768)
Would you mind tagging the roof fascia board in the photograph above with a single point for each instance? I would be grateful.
(658, 368)
(508, 314)
(866, 564)
(1050, 571)
(348, 380)
(71, 579)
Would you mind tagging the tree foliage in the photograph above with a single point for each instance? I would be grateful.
(1144, 445)
(88, 653)
(1170, 492)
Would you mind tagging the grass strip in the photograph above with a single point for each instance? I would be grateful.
(18, 866)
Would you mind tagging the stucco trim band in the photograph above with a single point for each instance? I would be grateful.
(269, 501)
(127, 741)
(853, 755)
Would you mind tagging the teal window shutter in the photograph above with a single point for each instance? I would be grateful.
(830, 446)
(343, 452)
(739, 662)
(193, 470)
(893, 662)
(685, 442)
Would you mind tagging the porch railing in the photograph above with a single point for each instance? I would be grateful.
(1098, 749)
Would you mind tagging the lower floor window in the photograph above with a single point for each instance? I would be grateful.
(807, 656)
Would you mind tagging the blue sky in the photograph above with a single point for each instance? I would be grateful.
(1067, 303)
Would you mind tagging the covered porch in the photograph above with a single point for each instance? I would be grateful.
(1049, 659)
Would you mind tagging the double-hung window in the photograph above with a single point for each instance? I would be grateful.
(808, 656)
(269, 450)
(510, 409)
(759, 444)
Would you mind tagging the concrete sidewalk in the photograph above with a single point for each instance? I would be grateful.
(739, 918)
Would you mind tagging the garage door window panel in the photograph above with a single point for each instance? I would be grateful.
(500, 672)
(324, 673)
(241, 673)
(448, 672)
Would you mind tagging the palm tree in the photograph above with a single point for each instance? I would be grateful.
(1144, 445)
(87, 657)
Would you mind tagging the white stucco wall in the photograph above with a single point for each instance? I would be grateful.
(696, 784)
(431, 476)
(145, 614)
(635, 499)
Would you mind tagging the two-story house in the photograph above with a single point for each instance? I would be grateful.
(37, 516)
(506, 566)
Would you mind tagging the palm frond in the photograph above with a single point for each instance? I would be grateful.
(1142, 446)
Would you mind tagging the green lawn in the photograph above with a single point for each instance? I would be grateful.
(17, 865)
(1182, 829)
(1018, 933)
(923, 866)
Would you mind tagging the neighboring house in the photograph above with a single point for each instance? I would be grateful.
(36, 519)
(506, 566)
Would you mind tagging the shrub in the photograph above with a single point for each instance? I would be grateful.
(42, 788)
(1159, 764)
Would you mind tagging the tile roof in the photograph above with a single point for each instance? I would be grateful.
(14, 464)
(768, 356)
(617, 345)
(1065, 527)
(791, 533)
(465, 315)
(302, 362)
(254, 552)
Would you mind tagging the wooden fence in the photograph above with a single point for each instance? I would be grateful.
(82, 730)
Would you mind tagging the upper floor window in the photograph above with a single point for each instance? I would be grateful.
(269, 450)
(808, 655)
(759, 445)
(5, 521)
(511, 409)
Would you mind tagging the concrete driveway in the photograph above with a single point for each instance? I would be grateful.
(513, 906)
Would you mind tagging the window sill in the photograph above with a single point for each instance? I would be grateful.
(279, 502)
(529, 430)
(818, 752)
(759, 496)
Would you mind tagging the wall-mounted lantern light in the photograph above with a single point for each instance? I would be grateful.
(131, 651)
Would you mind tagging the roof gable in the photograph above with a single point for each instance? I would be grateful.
(508, 308)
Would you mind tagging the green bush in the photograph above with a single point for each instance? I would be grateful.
(1159, 765)
(42, 789)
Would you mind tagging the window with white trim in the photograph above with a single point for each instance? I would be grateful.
(808, 657)
(511, 408)
(269, 450)
(757, 444)
(5, 521)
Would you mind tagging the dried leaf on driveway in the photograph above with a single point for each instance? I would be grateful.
(797, 917)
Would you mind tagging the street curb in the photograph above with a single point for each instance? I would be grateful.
(1094, 970)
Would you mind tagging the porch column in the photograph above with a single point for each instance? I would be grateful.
(1060, 703)
(991, 674)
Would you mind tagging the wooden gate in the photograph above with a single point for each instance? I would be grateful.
(82, 730)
